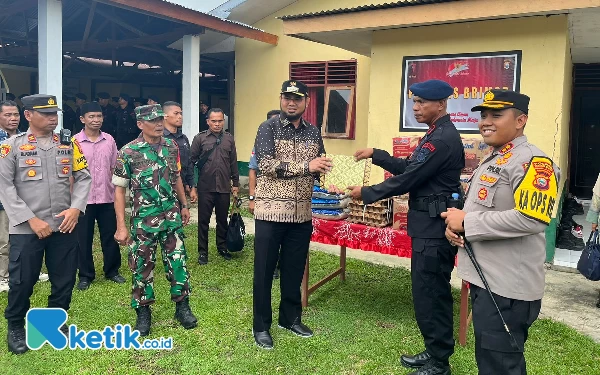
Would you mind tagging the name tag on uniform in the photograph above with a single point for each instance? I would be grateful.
(535, 197)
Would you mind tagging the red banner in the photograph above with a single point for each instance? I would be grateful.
(471, 75)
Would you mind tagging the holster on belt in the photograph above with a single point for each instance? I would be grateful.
(433, 204)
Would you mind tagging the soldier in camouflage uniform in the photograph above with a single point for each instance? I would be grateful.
(149, 166)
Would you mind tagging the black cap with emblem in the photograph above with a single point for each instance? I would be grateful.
(294, 87)
(40, 103)
(502, 99)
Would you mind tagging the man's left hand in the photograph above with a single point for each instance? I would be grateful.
(71, 217)
(454, 219)
(185, 216)
(235, 190)
(355, 192)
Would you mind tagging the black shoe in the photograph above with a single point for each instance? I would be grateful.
(15, 339)
(184, 314)
(415, 361)
(84, 284)
(144, 320)
(225, 254)
(117, 279)
(276, 273)
(203, 259)
(298, 328)
(263, 339)
(433, 367)
(65, 330)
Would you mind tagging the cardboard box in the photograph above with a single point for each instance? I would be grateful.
(402, 147)
(400, 212)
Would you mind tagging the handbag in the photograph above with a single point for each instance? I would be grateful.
(236, 230)
(589, 261)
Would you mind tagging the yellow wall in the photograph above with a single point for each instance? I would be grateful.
(261, 68)
(562, 158)
(544, 42)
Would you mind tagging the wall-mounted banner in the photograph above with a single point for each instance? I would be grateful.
(471, 75)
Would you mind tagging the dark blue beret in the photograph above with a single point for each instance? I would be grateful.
(433, 89)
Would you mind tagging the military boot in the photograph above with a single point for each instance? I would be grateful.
(144, 319)
(184, 314)
(15, 338)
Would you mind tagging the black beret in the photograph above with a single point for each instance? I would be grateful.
(125, 97)
(103, 95)
(154, 98)
(502, 99)
(90, 107)
(81, 96)
(433, 89)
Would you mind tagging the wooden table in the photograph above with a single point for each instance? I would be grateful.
(382, 240)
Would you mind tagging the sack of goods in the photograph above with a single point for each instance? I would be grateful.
(329, 206)
(589, 262)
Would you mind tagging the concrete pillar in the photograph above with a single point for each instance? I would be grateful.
(50, 52)
(190, 96)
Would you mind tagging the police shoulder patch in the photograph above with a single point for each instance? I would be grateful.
(4, 150)
(535, 196)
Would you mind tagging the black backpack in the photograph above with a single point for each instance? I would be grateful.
(236, 230)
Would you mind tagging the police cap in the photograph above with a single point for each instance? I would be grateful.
(433, 89)
(40, 103)
(502, 99)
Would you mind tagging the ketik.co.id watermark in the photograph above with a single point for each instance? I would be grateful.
(43, 326)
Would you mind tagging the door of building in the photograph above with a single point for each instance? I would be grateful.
(585, 144)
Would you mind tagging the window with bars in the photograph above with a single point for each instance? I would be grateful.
(332, 89)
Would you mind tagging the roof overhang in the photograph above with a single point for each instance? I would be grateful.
(351, 28)
(178, 13)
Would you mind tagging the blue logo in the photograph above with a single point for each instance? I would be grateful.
(43, 326)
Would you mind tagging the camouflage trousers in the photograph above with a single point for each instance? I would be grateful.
(142, 257)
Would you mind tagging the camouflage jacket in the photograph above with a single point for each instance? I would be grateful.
(150, 173)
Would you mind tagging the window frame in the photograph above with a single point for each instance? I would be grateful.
(349, 112)
(323, 72)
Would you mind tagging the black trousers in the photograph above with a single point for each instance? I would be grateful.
(493, 351)
(206, 203)
(432, 262)
(105, 215)
(294, 240)
(26, 254)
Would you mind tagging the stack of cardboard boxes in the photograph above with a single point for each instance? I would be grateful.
(403, 147)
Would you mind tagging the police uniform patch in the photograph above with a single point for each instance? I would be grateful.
(31, 138)
(482, 194)
(55, 137)
(30, 162)
(506, 148)
(31, 173)
(65, 161)
(535, 197)
(504, 159)
(525, 166)
(4, 150)
(489, 179)
(27, 147)
(64, 147)
(431, 129)
(429, 146)
(65, 170)
(79, 161)
(423, 154)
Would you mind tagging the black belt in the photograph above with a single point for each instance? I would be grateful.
(433, 204)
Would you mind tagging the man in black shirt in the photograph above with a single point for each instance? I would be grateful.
(108, 114)
(126, 122)
(431, 175)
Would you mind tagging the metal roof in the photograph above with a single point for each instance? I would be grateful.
(362, 8)
(213, 15)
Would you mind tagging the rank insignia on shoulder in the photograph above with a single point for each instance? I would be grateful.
(55, 137)
(535, 197)
(31, 138)
(506, 148)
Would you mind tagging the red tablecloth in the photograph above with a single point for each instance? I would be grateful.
(357, 236)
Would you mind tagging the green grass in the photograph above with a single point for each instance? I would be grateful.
(361, 327)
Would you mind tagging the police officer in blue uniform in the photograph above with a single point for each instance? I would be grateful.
(431, 174)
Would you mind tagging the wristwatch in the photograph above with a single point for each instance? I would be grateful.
(251, 197)
(184, 206)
